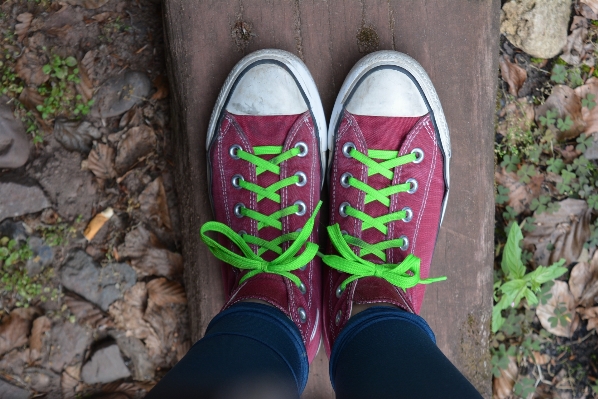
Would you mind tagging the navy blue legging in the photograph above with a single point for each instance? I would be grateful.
(253, 350)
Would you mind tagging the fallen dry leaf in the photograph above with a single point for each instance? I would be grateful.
(590, 117)
(153, 205)
(101, 161)
(589, 8)
(85, 85)
(22, 28)
(567, 230)
(131, 118)
(15, 328)
(89, 4)
(161, 84)
(88, 63)
(148, 256)
(15, 361)
(74, 135)
(87, 314)
(138, 142)
(41, 326)
(31, 98)
(569, 153)
(565, 102)
(516, 117)
(578, 49)
(128, 312)
(581, 278)
(97, 223)
(541, 358)
(502, 387)
(591, 315)
(520, 194)
(29, 68)
(561, 296)
(163, 291)
(512, 73)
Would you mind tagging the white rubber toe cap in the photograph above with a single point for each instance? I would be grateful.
(387, 92)
(266, 89)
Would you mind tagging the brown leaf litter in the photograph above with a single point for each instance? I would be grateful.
(565, 230)
(22, 28)
(101, 161)
(29, 68)
(502, 387)
(578, 48)
(138, 142)
(589, 8)
(153, 205)
(589, 116)
(512, 73)
(561, 296)
(565, 102)
(520, 194)
(148, 256)
(38, 338)
(87, 314)
(15, 328)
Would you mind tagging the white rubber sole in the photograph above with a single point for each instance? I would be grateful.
(301, 74)
(388, 57)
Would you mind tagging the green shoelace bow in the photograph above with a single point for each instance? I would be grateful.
(287, 260)
(407, 273)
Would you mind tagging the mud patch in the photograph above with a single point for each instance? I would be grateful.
(367, 39)
(474, 352)
(241, 34)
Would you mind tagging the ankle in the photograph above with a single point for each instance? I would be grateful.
(360, 307)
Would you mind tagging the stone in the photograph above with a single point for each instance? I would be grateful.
(10, 391)
(106, 365)
(13, 230)
(14, 145)
(67, 344)
(71, 189)
(99, 285)
(134, 349)
(42, 256)
(592, 151)
(538, 27)
(120, 93)
(21, 199)
(41, 380)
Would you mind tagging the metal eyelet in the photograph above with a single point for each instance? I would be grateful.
(303, 147)
(347, 149)
(302, 288)
(298, 230)
(236, 180)
(233, 151)
(420, 155)
(302, 179)
(339, 291)
(241, 232)
(409, 214)
(337, 320)
(344, 232)
(237, 210)
(302, 268)
(302, 208)
(342, 209)
(405, 245)
(302, 315)
(413, 184)
(345, 179)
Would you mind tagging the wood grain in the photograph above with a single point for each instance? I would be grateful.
(456, 42)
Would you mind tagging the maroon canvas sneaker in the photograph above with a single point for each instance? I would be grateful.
(266, 152)
(389, 183)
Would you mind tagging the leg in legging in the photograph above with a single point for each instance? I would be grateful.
(385, 352)
(249, 351)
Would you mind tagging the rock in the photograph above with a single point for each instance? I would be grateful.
(9, 391)
(134, 349)
(41, 380)
(89, 4)
(74, 135)
(14, 145)
(106, 365)
(13, 230)
(538, 27)
(21, 199)
(592, 151)
(70, 188)
(120, 93)
(68, 344)
(100, 285)
(138, 142)
(43, 256)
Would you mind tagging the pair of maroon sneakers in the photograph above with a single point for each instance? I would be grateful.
(388, 183)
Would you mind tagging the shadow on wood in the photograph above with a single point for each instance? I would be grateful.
(456, 42)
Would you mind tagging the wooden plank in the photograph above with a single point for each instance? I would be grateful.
(454, 41)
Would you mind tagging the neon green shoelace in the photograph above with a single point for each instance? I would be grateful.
(287, 260)
(407, 273)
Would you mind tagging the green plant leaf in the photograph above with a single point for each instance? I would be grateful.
(511, 264)
(46, 69)
(70, 61)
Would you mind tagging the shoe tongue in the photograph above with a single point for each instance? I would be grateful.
(381, 133)
(267, 131)
(276, 294)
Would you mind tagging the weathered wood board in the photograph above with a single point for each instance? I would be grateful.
(456, 42)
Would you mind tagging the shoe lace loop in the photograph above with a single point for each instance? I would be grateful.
(403, 275)
(287, 260)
